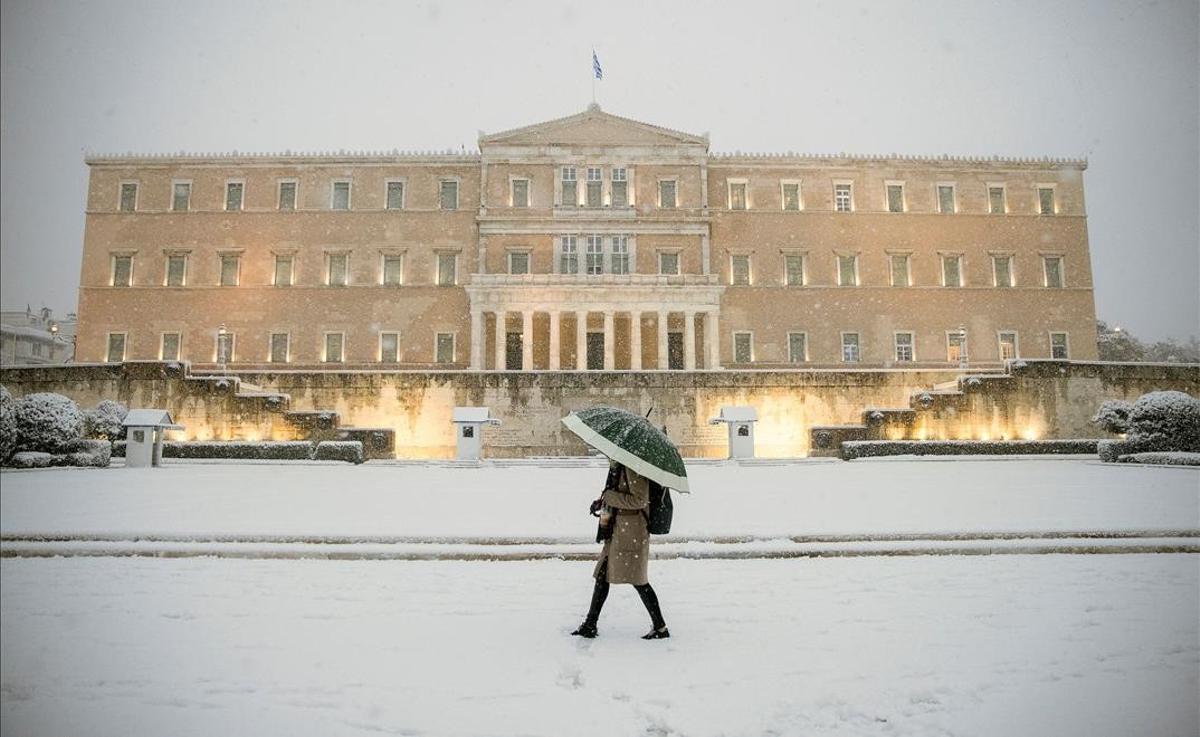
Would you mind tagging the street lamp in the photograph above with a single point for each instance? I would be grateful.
(221, 333)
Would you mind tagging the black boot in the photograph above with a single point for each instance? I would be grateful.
(587, 629)
(650, 600)
(657, 634)
(599, 594)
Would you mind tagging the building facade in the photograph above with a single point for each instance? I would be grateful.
(590, 242)
(33, 338)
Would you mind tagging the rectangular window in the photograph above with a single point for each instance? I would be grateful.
(904, 348)
(900, 271)
(620, 254)
(233, 195)
(287, 195)
(337, 269)
(389, 347)
(956, 346)
(1002, 271)
(334, 342)
(226, 344)
(945, 194)
(797, 347)
(447, 266)
(393, 270)
(1058, 346)
(847, 271)
(284, 266)
(568, 256)
(128, 196)
(740, 271)
(1054, 271)
(445, 348)
(177, 270)
(520, 193)
(791, 195)
(279, 347)
(395, 195)
(340, 196)
(595, 188)
(1046, 201)
(231, 267)
(996, 201)
(116, 347)
(1008, 345)
(169, 349)
(668, 263)
(449, 194)
(737, 195)
(181, 195)
(666, 194)
(122, 271)
(518, 262)
(743, 347)
(570, 194)
(952, 271)
(843, 197)
(895, 198)
(594, 263)
(620, 187)
(793, 270)
(850, 348)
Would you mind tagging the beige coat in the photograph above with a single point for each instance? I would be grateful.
(628, 551)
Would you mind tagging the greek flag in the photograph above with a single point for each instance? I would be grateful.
(596, 65)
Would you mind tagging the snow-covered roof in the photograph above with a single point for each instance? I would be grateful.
(738, 414)
(150, 418)
(473, 414)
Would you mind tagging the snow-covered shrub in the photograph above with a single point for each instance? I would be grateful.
(94, 453)
(31, 459)
(284, 450)
(46, 422)
(852, 449)
(104, 422)
(1170, 420)
(1166, 458)
(8, 425)
(1113, 416)
(350, 451)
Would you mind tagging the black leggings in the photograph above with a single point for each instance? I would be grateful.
(645, 591)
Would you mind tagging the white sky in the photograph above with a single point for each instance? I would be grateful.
(1116, 82)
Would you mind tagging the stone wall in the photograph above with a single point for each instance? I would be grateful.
(1053, 399)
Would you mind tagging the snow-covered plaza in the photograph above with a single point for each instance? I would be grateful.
(432, 599)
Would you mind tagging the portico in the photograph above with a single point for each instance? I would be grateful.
(618, 322)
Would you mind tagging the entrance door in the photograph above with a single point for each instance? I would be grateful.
(675, 351)
(512, 352)
(595, 351)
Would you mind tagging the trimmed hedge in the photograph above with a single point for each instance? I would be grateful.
(1110, 451)
(350, 451)
(78, 453)
(853, 449)
(1169, 458)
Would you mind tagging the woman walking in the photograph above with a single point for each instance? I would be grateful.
(623, 509)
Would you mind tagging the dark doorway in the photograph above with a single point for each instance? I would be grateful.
(595, 351)
(512, 352)
(675, 351)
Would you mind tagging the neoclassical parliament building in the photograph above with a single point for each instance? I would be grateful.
(591, 242)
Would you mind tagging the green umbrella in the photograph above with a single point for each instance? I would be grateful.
(631, 440)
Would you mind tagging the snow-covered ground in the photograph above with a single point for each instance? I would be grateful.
(1004, 645)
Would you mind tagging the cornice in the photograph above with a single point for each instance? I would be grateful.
(740, 158)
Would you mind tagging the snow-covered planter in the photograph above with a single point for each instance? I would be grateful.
(1168, 458)
(1113, 416)
(350, 451)
(8, 425)
(1169, 418)
(852, 449)
(46, 422)
(276, 450)
(104, 422)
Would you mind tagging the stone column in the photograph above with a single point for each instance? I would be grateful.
(526, 340)
(711, 341)
(662, 340)
(610, 341)
(555, 339)
(689, 341)
(581, 340)
(476, 340)
(635, 340)
(501, 339)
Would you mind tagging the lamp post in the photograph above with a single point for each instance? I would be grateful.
(962, 347)
(221, 333)
(53, 338)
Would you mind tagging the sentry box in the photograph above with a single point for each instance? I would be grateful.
(144, 433)
(468, 425)
(740, 421)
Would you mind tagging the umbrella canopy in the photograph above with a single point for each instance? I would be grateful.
(631, 440)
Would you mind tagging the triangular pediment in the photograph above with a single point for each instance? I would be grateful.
(592, 127)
